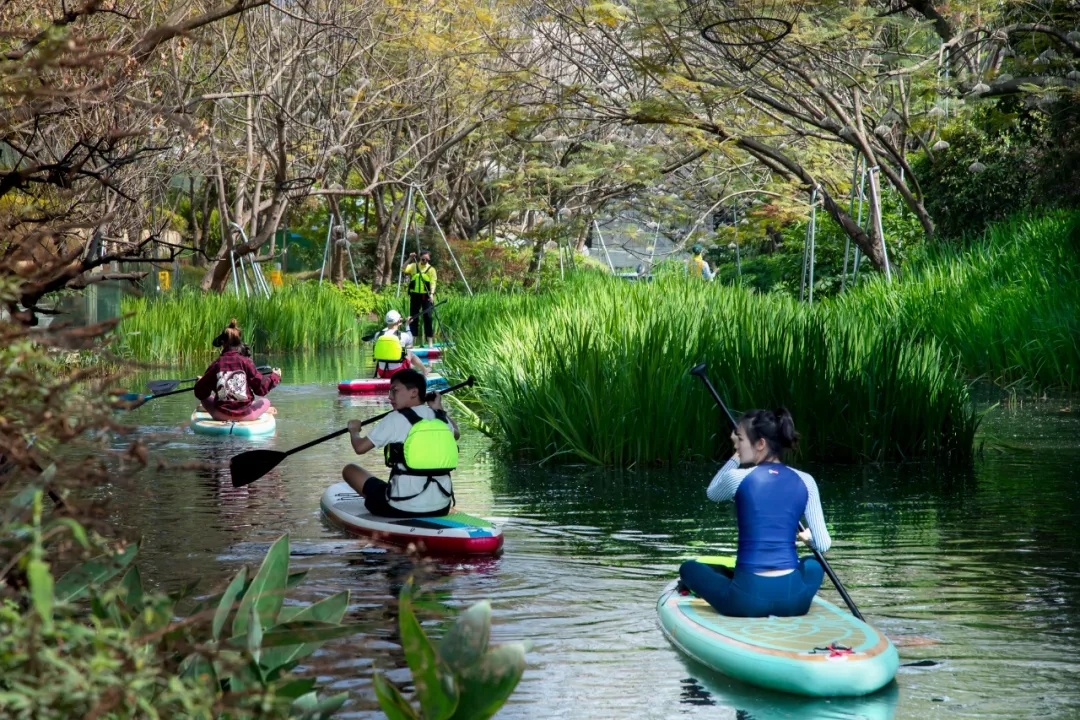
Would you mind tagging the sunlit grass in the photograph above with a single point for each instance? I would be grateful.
(598, 372)
(179, 326)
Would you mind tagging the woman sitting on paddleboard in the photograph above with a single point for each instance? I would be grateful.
(228, 387)
(392, 352)
(770, 500)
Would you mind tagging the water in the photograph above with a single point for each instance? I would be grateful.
(974, 573)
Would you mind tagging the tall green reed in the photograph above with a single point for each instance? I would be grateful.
(597, 372)
(181, 326)
(1006, 307)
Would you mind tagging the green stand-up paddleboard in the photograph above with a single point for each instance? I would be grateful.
(202, 423)
(826, 653)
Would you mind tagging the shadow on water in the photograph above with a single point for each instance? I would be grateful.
(975, 573)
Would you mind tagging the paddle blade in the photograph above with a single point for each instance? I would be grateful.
(162, 386)
(247, 467)
(698, 370)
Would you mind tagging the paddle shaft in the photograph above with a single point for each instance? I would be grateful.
(699, 371)
(369, 338)
(370, 420)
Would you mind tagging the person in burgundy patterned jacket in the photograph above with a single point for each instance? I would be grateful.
(228, 387)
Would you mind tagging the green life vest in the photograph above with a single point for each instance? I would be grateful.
(421, 281)
(429, 449)
(388, 348)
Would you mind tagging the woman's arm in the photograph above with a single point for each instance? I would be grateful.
(260, 384)
(726, 481)
(815, 518)
(206, 384)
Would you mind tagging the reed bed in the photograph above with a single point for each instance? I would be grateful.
(1006, 306)
(181, 326)
(597, 372)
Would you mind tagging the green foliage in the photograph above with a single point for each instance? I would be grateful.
(302, 316)
(598, 372)
(126, 654)
(1007, 306)
(460, 679)
(361, 298)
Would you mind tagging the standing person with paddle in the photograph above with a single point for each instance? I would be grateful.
(420, 447)
(770, 500)
(391, 350)
(228, 387)
(422, 278)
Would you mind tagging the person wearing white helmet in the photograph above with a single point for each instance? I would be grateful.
(392, 352)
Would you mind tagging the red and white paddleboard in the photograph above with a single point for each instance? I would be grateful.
(453, 534)
(381, 385)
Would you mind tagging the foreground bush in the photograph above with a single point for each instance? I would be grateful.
(597, 372)
(304, 316)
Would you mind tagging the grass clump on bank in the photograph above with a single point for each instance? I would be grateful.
(304, 316)
(597, 372)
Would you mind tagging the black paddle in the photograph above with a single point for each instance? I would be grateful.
(699, 371)
(163, 386)
(159, 387)
(371, 336)
(247, 467)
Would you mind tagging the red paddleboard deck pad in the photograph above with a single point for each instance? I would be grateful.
(453, 534)
(382, 385)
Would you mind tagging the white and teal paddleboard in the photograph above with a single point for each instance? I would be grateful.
(826, 653)
(202, 423)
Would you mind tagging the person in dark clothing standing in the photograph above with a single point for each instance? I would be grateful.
(421, 294)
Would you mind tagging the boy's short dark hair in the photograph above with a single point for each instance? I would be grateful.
(412, 380)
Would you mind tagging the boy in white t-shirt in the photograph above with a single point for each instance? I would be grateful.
(406, 495)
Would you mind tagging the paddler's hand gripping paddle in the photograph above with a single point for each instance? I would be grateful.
(249, 466)
(699, 371)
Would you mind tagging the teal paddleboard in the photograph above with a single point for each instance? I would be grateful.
(202, 423)
(826, 653)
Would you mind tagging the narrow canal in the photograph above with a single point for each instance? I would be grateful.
(974, 573)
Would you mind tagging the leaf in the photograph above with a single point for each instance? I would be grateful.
(77, 531)
(298, 633)
(296, 688)
(327, 610)
(255, 633)
(325, 708)
(228, 598)
(486, 686)
(248, 676)
(295, 579)
(21, 502)
(467, 640)
(41, 590)
(267, 591)
(435, 687)
(75, 582)
(392, 702)
(197, 667)
(131, 587)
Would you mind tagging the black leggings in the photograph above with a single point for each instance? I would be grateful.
(417, 305)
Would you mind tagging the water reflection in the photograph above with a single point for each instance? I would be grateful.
(974, 572)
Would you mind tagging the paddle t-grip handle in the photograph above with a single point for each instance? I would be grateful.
(699, 371)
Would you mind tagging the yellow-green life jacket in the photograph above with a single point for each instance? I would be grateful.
(429, 449)
(421, 281)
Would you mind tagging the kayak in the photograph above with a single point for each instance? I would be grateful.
(202, 423)
(376, 385)
(826, 653)
(453, 534)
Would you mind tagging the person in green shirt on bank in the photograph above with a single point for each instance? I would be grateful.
(421, 294)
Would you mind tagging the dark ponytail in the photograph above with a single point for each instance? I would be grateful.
(777, 428)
